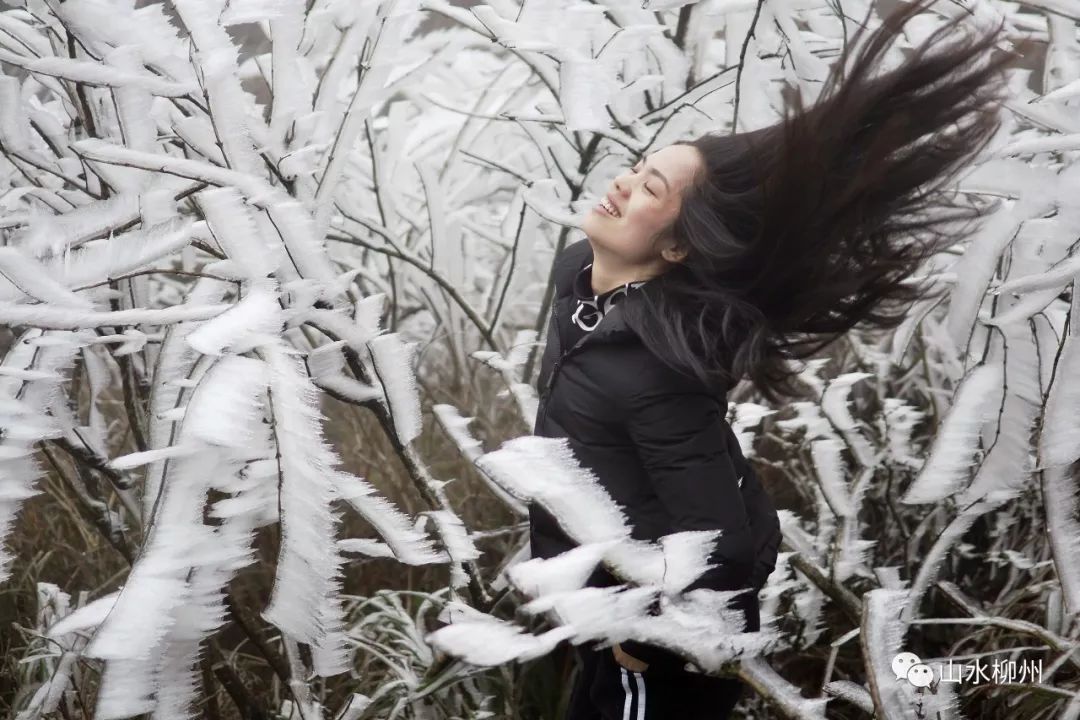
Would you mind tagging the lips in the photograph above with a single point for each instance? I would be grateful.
(609, 207)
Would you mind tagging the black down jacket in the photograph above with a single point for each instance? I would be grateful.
(660, 445)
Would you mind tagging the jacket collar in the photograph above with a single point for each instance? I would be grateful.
(613, 326)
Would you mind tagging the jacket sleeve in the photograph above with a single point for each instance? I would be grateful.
(681, 440)
(764, 521)
(681, 437)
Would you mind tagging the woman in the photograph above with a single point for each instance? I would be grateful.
(728, 257)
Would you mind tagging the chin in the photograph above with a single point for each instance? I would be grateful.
(596, 229)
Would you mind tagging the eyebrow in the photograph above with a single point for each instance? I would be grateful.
(657, 173)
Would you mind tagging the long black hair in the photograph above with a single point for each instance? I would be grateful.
(797, 232)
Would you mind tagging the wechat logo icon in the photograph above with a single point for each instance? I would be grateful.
(908, 666)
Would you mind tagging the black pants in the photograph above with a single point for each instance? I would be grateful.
(604, 690)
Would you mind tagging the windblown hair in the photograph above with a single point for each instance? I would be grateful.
(800, 231)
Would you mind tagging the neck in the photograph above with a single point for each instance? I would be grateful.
(609, 272)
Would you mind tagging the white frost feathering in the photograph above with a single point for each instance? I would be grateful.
(808, 416)
(248, 323)
(459, 546)
(95, 73)
(1009, 460)
(146, 457)
(831, 472)
(811, 374)
(173, 598)
(980, 262)
(26, 418)
(354, 707)
(59, 659)
(900, 421)
(127, 688)
(834, 402)
(230, 403)
(881, 636)
(545, 470)
(759, 672)
(231, 108)
(564, 572)
(686, 557)
(14, 125)
(853, 556)
(1059, 440)
(338, 324)
(409, 545)
(748, 415)
(368, 317)
(490, 641)
(304, 600)
(23, 277)
(156, 587)
(393, 361)
(597, 613)
(173, 364)
(542, 197)
(98, 376)
(246, 11)
(88, 616)
(52, 234)
(954, 446)
(1055, 278)
(854, 693)
(326, 364)
(365, 546)
(699, 624)
(511, 368)
(235, 230)
(135, 115)
(584, 89)
(227, 549)
(18, 475)
(520, 348)
(457, 427)
(528, 404)
(1062, 506)
(297, 230)
(61, 318)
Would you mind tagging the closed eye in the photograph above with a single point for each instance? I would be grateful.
(636, 170)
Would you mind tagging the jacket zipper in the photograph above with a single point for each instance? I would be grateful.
(560, 357)
(546, 392)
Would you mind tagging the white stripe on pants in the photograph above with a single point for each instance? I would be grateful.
(628, 692)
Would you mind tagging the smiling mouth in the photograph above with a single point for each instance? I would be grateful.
(607, 208)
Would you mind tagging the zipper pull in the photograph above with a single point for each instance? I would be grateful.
(551, 377)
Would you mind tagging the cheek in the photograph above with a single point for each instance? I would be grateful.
(650, 218)
(644, 215)
(640, 226)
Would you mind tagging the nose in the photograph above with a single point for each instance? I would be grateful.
(620, 183)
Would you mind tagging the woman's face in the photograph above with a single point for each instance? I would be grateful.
(633, 222)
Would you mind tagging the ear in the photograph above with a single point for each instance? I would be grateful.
(674, 253)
